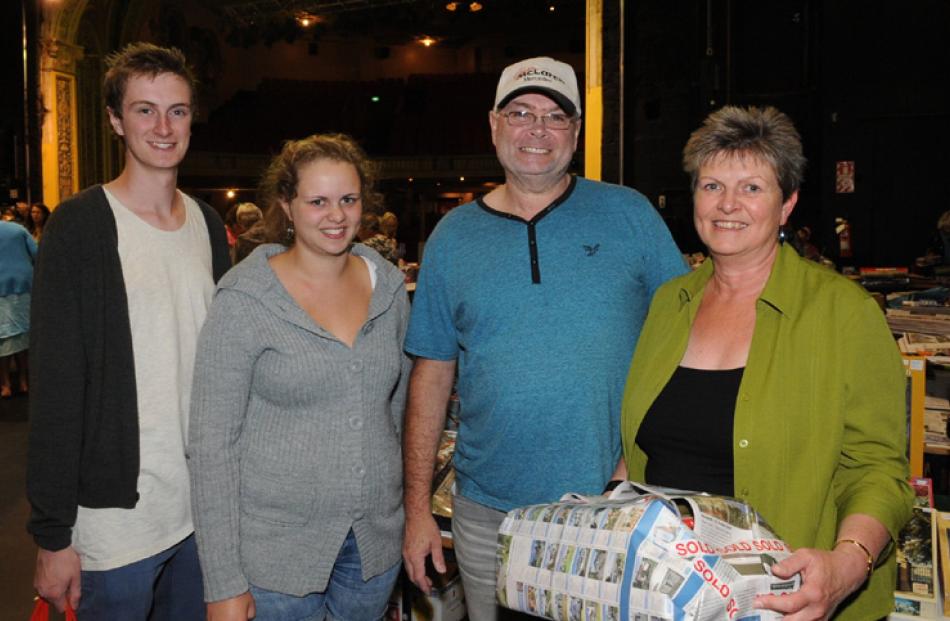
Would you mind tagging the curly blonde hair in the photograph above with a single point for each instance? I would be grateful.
(280, 179)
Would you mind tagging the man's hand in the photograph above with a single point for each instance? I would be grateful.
(429, 387)
(422, 539)
(57, 577)
(240, 608)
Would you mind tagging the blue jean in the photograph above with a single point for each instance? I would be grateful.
(347, 597)
(164, 587)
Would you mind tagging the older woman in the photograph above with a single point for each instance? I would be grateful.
(769, 378)
(296, 415)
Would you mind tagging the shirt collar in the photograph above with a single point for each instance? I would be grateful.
(778, 292)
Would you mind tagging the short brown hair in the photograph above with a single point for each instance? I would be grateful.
(143, 59)
(279, 182)
(762, 133)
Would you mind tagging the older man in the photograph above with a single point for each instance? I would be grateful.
(536, 293)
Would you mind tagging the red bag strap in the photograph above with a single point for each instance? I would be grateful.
(41, 611)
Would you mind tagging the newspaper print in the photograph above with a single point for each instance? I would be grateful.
(662, 555)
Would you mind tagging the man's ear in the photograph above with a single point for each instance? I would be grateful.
(115, 121)
(493, 124)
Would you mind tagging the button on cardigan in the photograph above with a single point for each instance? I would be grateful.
(295, 437)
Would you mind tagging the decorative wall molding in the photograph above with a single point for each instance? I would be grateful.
(59, 56)
(64, 136)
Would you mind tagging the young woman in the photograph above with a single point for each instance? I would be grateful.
(297, 408)
(39, 213)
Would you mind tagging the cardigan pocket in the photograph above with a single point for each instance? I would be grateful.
(280, 500)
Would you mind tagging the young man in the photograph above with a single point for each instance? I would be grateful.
(123, 279)
(537, 292)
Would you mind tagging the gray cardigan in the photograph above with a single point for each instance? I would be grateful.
(295, 438)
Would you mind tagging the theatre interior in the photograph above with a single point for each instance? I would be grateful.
(865, 83)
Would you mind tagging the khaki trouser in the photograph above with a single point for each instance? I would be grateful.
(475, 537)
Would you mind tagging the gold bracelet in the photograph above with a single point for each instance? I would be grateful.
(864, 548)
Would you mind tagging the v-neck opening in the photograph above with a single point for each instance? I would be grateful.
(531, 225)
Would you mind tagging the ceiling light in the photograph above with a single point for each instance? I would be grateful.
(474, 7)
(452, 6)
(426, 40)
(306, 19)
(231, 194)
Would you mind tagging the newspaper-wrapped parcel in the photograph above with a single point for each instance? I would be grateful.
(639, 554)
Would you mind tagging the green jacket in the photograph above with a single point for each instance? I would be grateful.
(820, 416)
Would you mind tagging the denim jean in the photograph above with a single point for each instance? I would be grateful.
(164, 587)
(346, 598)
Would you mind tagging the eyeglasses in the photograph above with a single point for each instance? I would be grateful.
(551, 120)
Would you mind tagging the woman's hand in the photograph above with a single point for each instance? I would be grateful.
(827, 578)
(240, 608)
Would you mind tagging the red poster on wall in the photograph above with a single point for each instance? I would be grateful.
(844, 177)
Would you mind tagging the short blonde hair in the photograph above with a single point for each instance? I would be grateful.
(388, 223)
(247, 214)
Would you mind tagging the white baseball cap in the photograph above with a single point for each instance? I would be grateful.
(543, 75)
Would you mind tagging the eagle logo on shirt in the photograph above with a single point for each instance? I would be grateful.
(591, 250)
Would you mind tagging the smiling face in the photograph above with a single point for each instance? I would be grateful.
(533, 151)
(738, 207)
(155, 120)
(327, 209)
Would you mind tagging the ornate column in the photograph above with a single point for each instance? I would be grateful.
(58, 119)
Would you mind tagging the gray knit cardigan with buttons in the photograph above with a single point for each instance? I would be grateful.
(294, 437)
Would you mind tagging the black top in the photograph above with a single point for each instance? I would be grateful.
(83, 447)
(687, 432)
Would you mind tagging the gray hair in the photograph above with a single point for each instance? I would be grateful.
(761, 133)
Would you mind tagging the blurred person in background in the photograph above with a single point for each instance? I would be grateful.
(21, 213)
(17, 254)
(39, 213)
(371, 235)
(388, 226)
(246, 215)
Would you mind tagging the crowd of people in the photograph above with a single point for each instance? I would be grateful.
(238, 419)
